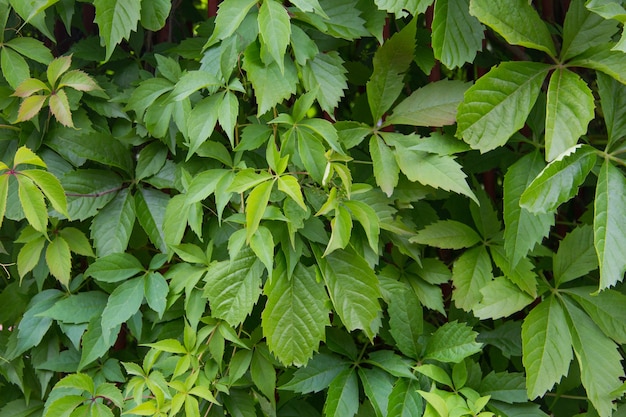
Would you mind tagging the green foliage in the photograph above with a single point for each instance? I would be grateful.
(312, 208)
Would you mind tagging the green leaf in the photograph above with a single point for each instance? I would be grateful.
(404, 400)
(31, 48)
(262, 243)
(368, 218)
(405, 320)
(60, 108)
(432, 105)
(78, 80)
(150, 206)
(606, 309)
(341, 226)
(570, 108)
(342, 399)
(78, 308)
(438, 171)
(271, 84)
(4, 192)
(191, 82)
(123, 303)
(602, 58)
(608, 227)
(546, 344)
(583, 29)
(23, 155)
(400, 7)
(500, 298)
(353, 289)
(230, 15)
(64, 406)
(202, 120)
(471, 272)
(112, 226)
(391, 61)
(326, 73)
(559, 181)
(146, 94)
(521, 275)
(523, 230)
(30, 255)
(33, 204)
(498, 104)
(233, 287)
(456, 35)
(59, 260)
(30, 86)
(30, 107)
(290, 186)
(386, 169)
(452, 342)
(50, 186)
(115, 267)
(317, 374)
(598, 358)
(576, 256)
(154, 13)
(504, 386)
(156, 289)
(33, 328)
(613, 102)
(14, 68)
(377, 385)
(517, 21)
(274, 30)
(115, 20)
(57, 67)
(325, 130)
(227, 115)
(94, 344)
(296, 314)
(256, 203)
(447, 234)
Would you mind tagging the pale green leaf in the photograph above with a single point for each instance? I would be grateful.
(123, 303)
(386, 169)
(452, 342)
(570, 108)
(521, 275)
(325, 130)
(60, 108)
(498, 104)
(115, 267)
(405, 320)
(391, 61)
(57, 67)
(436, 401)
(432, 105)
(500, 298)
(583, 29)
(342, 399)
(290, 186)
(368, 218)
(274, 30)
(317, 374)
(271, 85)
(400, 7)
(471, 272)
(31, 48)
(262, 243)
(14, 68)
(154, 13)
(30, 107)
(576, 256)
(456, 35)
(600, 365)
(447, 234)
(438, 171)
(341, 226)
(30, 86)
(546, 345)
(233, 287)
(150, 206)
(24, 155)
(33, 204)
(607, 309)
(436, 373)
(326, 73)
(404, 400)
(523, 230)
(78, 80)
(559, 181)
(51, 188)
(229, 16)
(112, 226)
(609, 230)
(59, 260)
(29, 255)
(227, 115)
(353, 289)
(296, 314)
(602, 58)
(517, 21)
(115, 20)
(256, 203)
(64, 405)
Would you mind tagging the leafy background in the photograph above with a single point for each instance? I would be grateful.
(316, 207)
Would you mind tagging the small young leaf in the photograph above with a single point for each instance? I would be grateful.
(78, 80)
(262, 244)
(51, 188)
(30, 255)
(30, 86)
(57, 67)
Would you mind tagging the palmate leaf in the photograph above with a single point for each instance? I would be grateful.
(353, 289)
(471, 272)
(457, 35)
(295, 315)
(115, 20)
(432, 105)
(583, 29)
(523, 230)
(570, 108)
(517, 21)
(274, 30)
(498, 104)
(234, 286)
(598, 358)
(546, 345)
(609, 229)
(391, 61)
(559, 181)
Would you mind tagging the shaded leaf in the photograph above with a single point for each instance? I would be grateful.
(447, 234)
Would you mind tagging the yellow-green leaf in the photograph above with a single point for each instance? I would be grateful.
(59, 260)
(60, 108)
(256, 205)
(30, 107)
(33, 203)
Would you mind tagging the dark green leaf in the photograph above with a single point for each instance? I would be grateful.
(343, 395)
(457, 35)
(317, 374)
